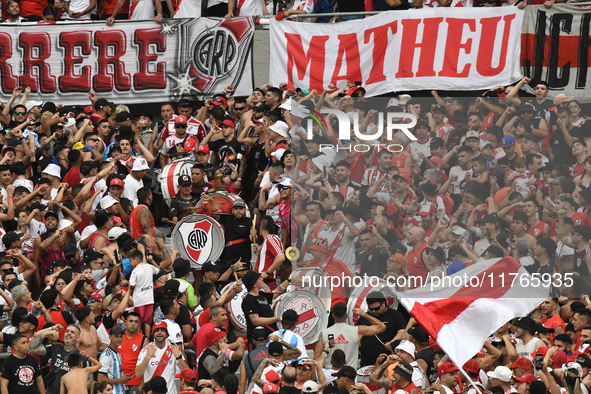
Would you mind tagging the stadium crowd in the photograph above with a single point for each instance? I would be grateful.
(94, 299)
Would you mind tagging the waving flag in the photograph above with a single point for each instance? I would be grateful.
(462, 310)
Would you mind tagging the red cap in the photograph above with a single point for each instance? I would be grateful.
(88, 109)
(98, 297)
(405, 177)
(229, 123)
(471, 366)
(542, 350)
(219, 100)
(437, 161)
(411, 220)
(213, 334)
(353, 89)
(190, 144)
(116, 182)
(559, 358)
(446, 368)
(523, 363)
(188, 376)
(270, 387)
(180, 119)
(160, 324)
(203, 149)
(527, 378)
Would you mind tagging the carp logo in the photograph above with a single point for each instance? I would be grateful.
(218, 55)
(196, 239)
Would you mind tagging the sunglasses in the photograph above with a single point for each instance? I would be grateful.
(240, 109)
(20, 113)
(218, 100)
(374, 309)
(283, 187)
(178, 126)
(93, 139)
(93, 300)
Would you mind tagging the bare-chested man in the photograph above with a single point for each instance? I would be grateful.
(89, 340)
(76, 380)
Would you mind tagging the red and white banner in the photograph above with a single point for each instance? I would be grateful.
(442, 48)
(555, 48)
(462, 313)
(129, 62)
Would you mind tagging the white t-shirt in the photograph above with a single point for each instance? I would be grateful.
(142, 280)
(141, 10)
(188, 9)
(457, 170)
(293, 339)
(78, 6)
(416, 147)
(346, 246)
(131, 188)
(172, 140)
(250, 8)
(169, 371)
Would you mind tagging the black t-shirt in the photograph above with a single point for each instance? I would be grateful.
(184, 316)
(202, 372)
(179, 207)
(382, 5)
(227, 153)
(210, 169)
(21, 374)
(562, 151)
(373, 346)
(259, 305)
(428, 355)
(289, 390)
(59, 367)
(236, 229)
(351, 5)
(374, 264)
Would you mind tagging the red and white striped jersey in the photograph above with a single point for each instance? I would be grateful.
(371, 176)
(271, 248)
(188, 9)
(194, 127)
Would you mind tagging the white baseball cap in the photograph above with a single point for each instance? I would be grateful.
(280, 127)
(403, 98)
(115, 232)
(286, 105)
(140, 165)
(53, 170)
(408, 347)
(322, 162)
(310, 387)
(286, 182)
(32, 104)
(472, 134)
(183, 286)
(278, 154)
(502, 373)
(393, 103)
(108, 201)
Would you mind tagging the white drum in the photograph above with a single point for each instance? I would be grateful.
(313, 316)
(312, 279)
(170, 176)
(199, 239)
(235, 312)
(224, 201)
(358, 295)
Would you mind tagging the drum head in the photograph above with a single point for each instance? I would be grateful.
(234, 309)
(225, 201)
(199, 239)
(363, 373)
(358, 295)
(314, 280)
(170, 176)
(313, 318)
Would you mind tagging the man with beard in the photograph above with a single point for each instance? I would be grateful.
(448, 378)
(133, 342)
(372, 259)
(237, 232)
(160, 353)
(525, 330)
(344, 184)
(551, 318)
(59, 354)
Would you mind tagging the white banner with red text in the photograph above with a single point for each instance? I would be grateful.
(555, 48)
(129, 62)
(442, 48)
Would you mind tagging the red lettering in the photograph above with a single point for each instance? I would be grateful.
(314, 59)
(453, 45)
(37, 42)
(70, 82)
(427, 46)
(380, 43)
(487, 43)
(347, 47)
(8, 80)
(104, 81)
(144, 79)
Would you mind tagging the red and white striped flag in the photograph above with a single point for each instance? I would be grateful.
(462, 311)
